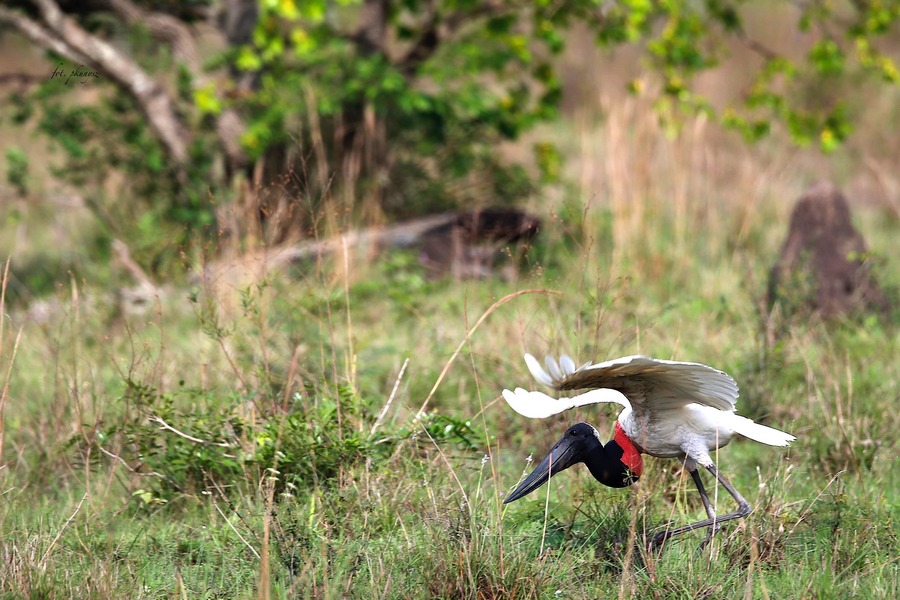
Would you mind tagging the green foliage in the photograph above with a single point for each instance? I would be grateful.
(159, 216)
(441, 118)
(17, 170)
(191, 441)
(821, 117)
(446, 429)
(188, 441)
(691, 38)
(312, 447)
(436, 121)
(352, 107)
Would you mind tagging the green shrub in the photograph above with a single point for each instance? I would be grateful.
(191, 441)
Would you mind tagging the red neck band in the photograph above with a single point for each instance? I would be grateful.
(631, 457)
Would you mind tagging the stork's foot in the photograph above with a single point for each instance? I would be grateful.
(659, 538)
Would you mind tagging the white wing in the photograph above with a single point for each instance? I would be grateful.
(538, 405)
(646, 384)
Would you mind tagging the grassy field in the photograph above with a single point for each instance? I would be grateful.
(261, 439)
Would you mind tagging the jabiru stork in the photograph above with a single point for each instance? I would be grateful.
(671, 409)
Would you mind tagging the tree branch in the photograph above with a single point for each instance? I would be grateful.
(175, 33)
(40, 35)
(373, 28)
(756, 46)
(154, 102)
(423, 49)
(438, 30)
(164, 28)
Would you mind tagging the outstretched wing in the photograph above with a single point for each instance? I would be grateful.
(643, 383)
(538, 405)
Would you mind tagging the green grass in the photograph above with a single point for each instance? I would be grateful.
(313, 477)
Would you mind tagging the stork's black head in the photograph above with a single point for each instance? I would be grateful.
(578, 444)
(581, 443)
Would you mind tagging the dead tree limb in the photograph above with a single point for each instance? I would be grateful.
(59, 33)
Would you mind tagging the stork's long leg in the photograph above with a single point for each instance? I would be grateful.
(713, 521)
(710, 511)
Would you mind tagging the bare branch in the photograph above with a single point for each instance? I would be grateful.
(756, 46)
(123, 257)
(423, 49)
(175, 33)
(373, 28)
(152, 99)
(390, 399)
(124, 463)
(40, 35)
(237, 19)
(437, 30)
(62, 529)
(164, 28)
(234, 529)
(165, 425)
(230, 127)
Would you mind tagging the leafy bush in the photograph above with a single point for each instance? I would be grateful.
(191, 441)
(178, 440)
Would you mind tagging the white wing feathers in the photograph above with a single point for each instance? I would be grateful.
(640, 382)
(538, 405)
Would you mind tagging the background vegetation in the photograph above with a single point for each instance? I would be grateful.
(247, 121)
(337, 431)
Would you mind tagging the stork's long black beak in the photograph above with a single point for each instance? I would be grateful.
(565, 453)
